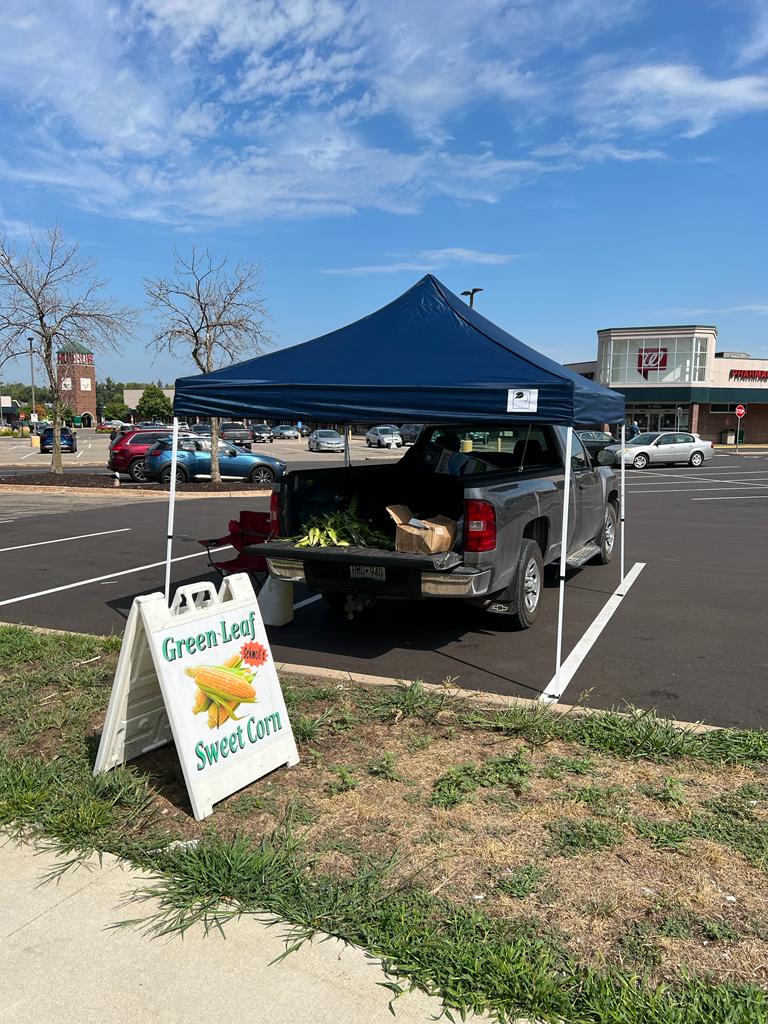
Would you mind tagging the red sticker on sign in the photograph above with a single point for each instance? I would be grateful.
(253, 653)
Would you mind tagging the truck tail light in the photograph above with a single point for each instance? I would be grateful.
(274, 511)
(479, 525)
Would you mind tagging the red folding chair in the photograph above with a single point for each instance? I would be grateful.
(250, 529)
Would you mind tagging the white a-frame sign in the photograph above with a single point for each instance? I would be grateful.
(199, 673)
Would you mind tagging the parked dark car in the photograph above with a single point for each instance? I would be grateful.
(126, 453)
(304, 430)
(261, 432)
(68, 440)
(201, 429)
(410, 431)
(595, 440)
(237, 433)
(194, 459)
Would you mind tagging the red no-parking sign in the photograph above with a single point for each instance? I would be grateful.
(741, 411)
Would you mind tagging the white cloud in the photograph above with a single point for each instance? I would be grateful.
(427, 259)
(756, 46)
(652, 97)
(180, 111)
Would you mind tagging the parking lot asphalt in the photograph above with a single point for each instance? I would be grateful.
(688, 639)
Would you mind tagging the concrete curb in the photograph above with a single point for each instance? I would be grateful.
(476, 696)
(120, 492)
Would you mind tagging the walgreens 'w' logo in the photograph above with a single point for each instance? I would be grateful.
(651, 359)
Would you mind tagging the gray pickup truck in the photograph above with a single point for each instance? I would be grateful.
(502, 485)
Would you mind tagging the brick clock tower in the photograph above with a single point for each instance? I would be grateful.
(77, 381)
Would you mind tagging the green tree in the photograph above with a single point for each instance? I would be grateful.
(154, 405)
(108, 391)
(115, 411)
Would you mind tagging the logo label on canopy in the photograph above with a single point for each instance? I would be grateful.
(522, 400)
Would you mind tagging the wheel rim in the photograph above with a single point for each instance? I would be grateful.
(610, 532)
(532, 585)
(262, 476)
(138, 472)
(697, 459)
(641, 462)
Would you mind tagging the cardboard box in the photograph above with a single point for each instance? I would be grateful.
(422, 536)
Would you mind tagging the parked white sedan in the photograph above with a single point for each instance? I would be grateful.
(656, 448)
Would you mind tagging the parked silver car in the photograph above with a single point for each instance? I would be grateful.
(664, 447)
(383, 437)
(325, 441)
(285, 430)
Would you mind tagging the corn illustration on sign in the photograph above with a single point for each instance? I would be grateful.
(200, 673)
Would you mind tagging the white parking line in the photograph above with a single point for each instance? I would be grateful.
(733, 497)
(572, 663)
(80, 453)
(63, 540)
(108, 576)
(690, 490)
(7, 521)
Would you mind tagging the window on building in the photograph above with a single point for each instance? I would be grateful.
(722, 407)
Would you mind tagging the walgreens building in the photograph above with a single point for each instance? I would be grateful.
(674, 377)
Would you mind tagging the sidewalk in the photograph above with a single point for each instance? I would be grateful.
(62, 962)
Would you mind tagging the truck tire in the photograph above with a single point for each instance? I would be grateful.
(607, 536)
(528, 585)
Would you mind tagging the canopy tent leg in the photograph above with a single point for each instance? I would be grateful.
(623, 500)
(171, 508)
(347, 457)
(563, 552)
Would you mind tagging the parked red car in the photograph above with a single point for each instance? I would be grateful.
(127, 451)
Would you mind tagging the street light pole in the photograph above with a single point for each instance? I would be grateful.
(30, 339)
(471, 293)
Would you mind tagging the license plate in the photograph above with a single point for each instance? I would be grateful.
(367, 572)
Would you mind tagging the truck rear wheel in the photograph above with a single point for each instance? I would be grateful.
(528, 585)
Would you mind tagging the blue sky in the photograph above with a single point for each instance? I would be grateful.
(590, 163)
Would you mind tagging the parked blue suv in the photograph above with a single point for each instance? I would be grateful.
(194, 459)
(68, 440)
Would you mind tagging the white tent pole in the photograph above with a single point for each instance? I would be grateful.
(347, 457)
(623, 500)
(563, 552)
(171, 509)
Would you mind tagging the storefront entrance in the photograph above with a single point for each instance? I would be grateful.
(653, 417)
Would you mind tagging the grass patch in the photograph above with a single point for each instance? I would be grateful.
(571, 838)
(462, 782)
(560, 936)
(521, 882)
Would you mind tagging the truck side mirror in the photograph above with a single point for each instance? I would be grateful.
(607, 458)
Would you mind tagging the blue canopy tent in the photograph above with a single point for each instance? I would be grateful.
(426, 357)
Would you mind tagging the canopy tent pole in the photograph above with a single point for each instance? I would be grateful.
(563, 551)
(347, 457)
(623, 500)
(171, 508)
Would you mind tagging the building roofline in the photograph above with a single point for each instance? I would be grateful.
(663, 327)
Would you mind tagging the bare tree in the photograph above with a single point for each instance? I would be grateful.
(211, 312)
(50, 292)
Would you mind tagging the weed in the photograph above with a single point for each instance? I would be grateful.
(638, 947)
(462, 781)
(574, 837)
(604, 909)
(606, 801)
(306, 729)
(383, 767)
(670, 793)
(686, 925)
(251, 803)
(557, 767)
(408, 700)
(345, 780)
(521, 882)
(667, 835)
